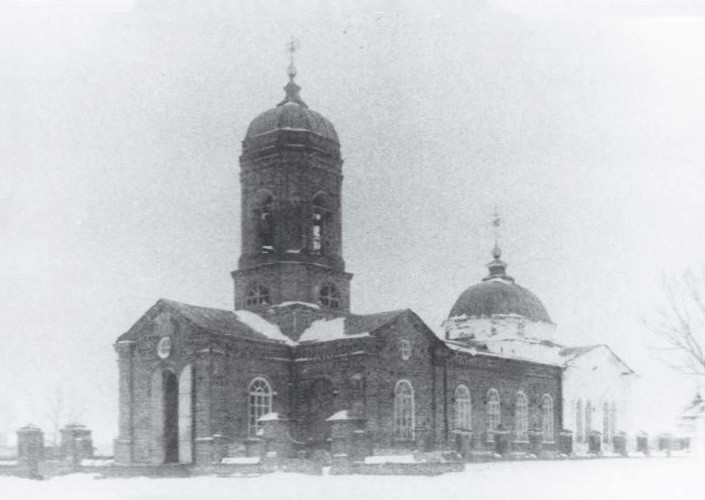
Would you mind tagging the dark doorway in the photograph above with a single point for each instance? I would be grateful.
(171, 418)
(321, 403)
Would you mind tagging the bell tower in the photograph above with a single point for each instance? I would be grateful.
(291, 179)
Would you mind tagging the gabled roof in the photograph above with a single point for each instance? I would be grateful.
(358, 323)
(476, 348)
(347, 327)
(209, 319)
(250, 325)
(570, 354)
(574, 352)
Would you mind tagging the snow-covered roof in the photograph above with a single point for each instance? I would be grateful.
(342, 415)
(326, 330)
(297, 303)
(347, 327)
(272, 416)
(570, 354)
(261, 325)
(490, 348)
(541, 351)
(574, 352)
(242, 324)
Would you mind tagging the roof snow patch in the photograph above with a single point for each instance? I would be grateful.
(323, 330)
(261, 325)
(297, 303)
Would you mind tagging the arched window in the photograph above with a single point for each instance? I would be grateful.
(405, 349)
(265, 221)
(547, 417)
(258, 295)
(404, 411)
(588, 419)
(329, 296)
(259, 403)
(493, 410)
(521, 418)
(605, 422)
(320, 216)
(613, 419)
(463, 408)
(579, 431)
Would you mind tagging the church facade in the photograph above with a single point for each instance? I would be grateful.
(195, 382)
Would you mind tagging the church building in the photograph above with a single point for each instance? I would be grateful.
(195, 382)
(507, 319)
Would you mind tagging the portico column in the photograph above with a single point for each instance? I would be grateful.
(124, 442)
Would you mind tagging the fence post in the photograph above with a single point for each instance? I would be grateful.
(30, 449)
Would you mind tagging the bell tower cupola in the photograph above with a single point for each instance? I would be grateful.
(291, 179)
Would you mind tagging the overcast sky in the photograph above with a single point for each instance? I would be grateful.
(120, 130)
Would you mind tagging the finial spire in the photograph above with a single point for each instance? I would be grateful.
(498, 268)
(496, 225)
(291, 88)
(292, 47)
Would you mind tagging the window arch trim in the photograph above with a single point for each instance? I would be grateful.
(259, 403)
(521, 417)
(264, 214)
(463, 408)
(404, 414)
(321, 211)
(494, 411)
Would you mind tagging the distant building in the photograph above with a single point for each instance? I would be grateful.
(195, 381)
(509, 320)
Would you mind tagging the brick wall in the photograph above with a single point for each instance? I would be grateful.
(362, 372)
(480, 374)
(386, 368)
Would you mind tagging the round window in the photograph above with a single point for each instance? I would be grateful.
(164, 347)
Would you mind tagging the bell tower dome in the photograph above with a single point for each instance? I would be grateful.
(291, 179)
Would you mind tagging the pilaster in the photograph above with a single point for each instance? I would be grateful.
(209, 406)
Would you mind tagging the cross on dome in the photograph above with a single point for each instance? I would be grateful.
(496, 224)
(292, 47)
(291, 88)
(497, 268)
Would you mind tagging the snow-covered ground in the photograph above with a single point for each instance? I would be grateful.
(657, 478)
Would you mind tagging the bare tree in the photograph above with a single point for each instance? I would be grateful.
(59, 412)
(680, 325)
